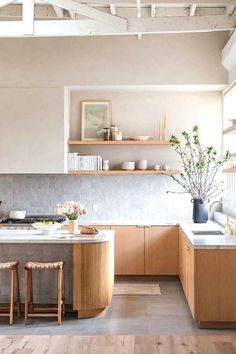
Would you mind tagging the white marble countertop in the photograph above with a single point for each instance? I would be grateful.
(207, 241)
(34, 236)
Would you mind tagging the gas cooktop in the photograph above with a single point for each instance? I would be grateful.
(30, 219)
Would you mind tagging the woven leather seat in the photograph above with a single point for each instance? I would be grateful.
(31, 310)
(43, 265)
(8, 265)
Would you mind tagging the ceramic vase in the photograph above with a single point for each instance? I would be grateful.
(73, 226)
(200, 212)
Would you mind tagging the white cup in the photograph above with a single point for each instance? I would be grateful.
(157, 167)
(166, 167)
(142, 164)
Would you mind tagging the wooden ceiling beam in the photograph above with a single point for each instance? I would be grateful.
(58, 11)
(230, 9)
(136, 26)
(113, 9)
(192, 9)
(166, 2)
(91, 12)
(28, 17)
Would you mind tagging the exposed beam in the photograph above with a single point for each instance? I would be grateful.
(113, 9)
(186, 3)
(192, 9)
(72, 15)
(91, 12)
(58, 11)
(6, 2)
(135, 26)
(138, 5)
(230, 9)
(186, 24)
(153, 10)
(28, 17)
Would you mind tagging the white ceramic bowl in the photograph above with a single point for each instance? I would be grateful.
(139, 137)
(47, 229)
(17, 214)
(128, 165)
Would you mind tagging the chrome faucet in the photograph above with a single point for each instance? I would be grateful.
(214, 203)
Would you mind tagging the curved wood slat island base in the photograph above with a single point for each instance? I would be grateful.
(89, 266)
(93, 277)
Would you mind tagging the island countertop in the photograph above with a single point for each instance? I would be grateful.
(34, 236)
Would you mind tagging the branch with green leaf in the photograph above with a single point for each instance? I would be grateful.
(200, 166)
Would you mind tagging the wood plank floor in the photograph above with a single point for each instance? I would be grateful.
(118, 344)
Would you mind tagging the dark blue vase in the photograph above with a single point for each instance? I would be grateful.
(200, 212)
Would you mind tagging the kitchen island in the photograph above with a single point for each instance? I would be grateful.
(89, 266)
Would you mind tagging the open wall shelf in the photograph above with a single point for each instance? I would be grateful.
(123, 142)
(230, 170)
(123, 172)
(230, 130)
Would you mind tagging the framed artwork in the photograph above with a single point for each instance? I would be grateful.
(95, 116)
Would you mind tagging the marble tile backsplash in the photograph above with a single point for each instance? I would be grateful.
(142, 198)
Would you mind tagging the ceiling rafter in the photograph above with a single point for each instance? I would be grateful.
(135, 26)
(230, 9)
(58, 11)
(138, 5)
(192, 9)
(113, 9)
(28, 17)
(153, 10)
(72, 18)
(91, 12)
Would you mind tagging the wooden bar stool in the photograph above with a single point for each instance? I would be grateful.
(59, 267)
(14, 290)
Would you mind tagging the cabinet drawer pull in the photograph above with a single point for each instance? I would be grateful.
(187, 248)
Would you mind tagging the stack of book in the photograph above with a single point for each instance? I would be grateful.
(84, 163)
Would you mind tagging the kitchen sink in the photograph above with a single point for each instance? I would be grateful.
(208, 232)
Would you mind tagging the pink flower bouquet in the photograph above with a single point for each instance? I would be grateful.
(72, 210)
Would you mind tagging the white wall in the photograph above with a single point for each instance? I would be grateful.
(32, 130)
(156, 59)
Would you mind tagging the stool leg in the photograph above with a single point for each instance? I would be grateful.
(31, 290)
(63, 293)
(12, 296)
(26, 295)
(59, 294)
(17, 291)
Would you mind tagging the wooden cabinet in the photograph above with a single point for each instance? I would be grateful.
(146, 250)
(102, 227)
(183, 261)
(161, 250)
(93, 277)
(129, 250)
(186, 269)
